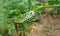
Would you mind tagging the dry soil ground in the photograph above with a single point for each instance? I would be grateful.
(47, 26)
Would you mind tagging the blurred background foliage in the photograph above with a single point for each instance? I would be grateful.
(11, 10)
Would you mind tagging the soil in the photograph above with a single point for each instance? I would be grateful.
(48, 26)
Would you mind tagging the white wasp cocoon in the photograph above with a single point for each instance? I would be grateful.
(28, 16)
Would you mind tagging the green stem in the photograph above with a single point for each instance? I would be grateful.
(50, 6)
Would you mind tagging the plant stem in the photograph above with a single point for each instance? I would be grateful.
(50, 6)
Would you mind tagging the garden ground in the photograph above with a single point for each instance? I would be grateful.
(47, 26)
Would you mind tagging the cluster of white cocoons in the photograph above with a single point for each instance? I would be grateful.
(28, 16)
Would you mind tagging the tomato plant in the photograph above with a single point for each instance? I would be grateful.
(24, 12)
